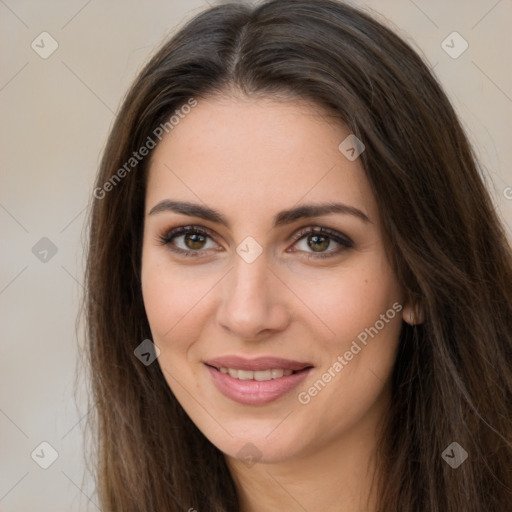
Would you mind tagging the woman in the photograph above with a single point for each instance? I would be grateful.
(289, 215)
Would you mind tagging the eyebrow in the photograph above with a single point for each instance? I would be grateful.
(280, 219)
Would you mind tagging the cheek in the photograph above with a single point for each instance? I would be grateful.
(165, 294)
(350, 300)
(175, 299)
(159, 298)
(362, 307)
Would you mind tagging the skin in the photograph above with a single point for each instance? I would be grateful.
(249, 159)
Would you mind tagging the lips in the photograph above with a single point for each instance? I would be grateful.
(246, 380)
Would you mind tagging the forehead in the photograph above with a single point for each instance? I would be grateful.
(256, 153)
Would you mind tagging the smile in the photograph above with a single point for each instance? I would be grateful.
(256, 381)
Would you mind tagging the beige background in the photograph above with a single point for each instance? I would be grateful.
(55, 115)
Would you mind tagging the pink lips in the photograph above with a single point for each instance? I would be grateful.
(252, 392)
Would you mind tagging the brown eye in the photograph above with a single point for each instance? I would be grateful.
(189, 240)
(194, 240)
(318, 243)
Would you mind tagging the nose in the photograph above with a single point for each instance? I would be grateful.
(253, 301)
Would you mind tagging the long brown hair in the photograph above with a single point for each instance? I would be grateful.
(452, 381)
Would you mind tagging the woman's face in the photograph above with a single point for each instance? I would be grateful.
(254, 291)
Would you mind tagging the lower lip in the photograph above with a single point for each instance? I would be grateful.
(253, 392)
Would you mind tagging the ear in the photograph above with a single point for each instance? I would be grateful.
(413, 314)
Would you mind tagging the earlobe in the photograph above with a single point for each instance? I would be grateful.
(413, 314)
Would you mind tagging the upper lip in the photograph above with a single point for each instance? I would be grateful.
(259, 363)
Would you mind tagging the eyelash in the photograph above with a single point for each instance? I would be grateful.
(343, 240)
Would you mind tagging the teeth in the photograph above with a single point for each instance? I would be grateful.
(244, 374)
(263, 375)
(259, 375)
(277, 373)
